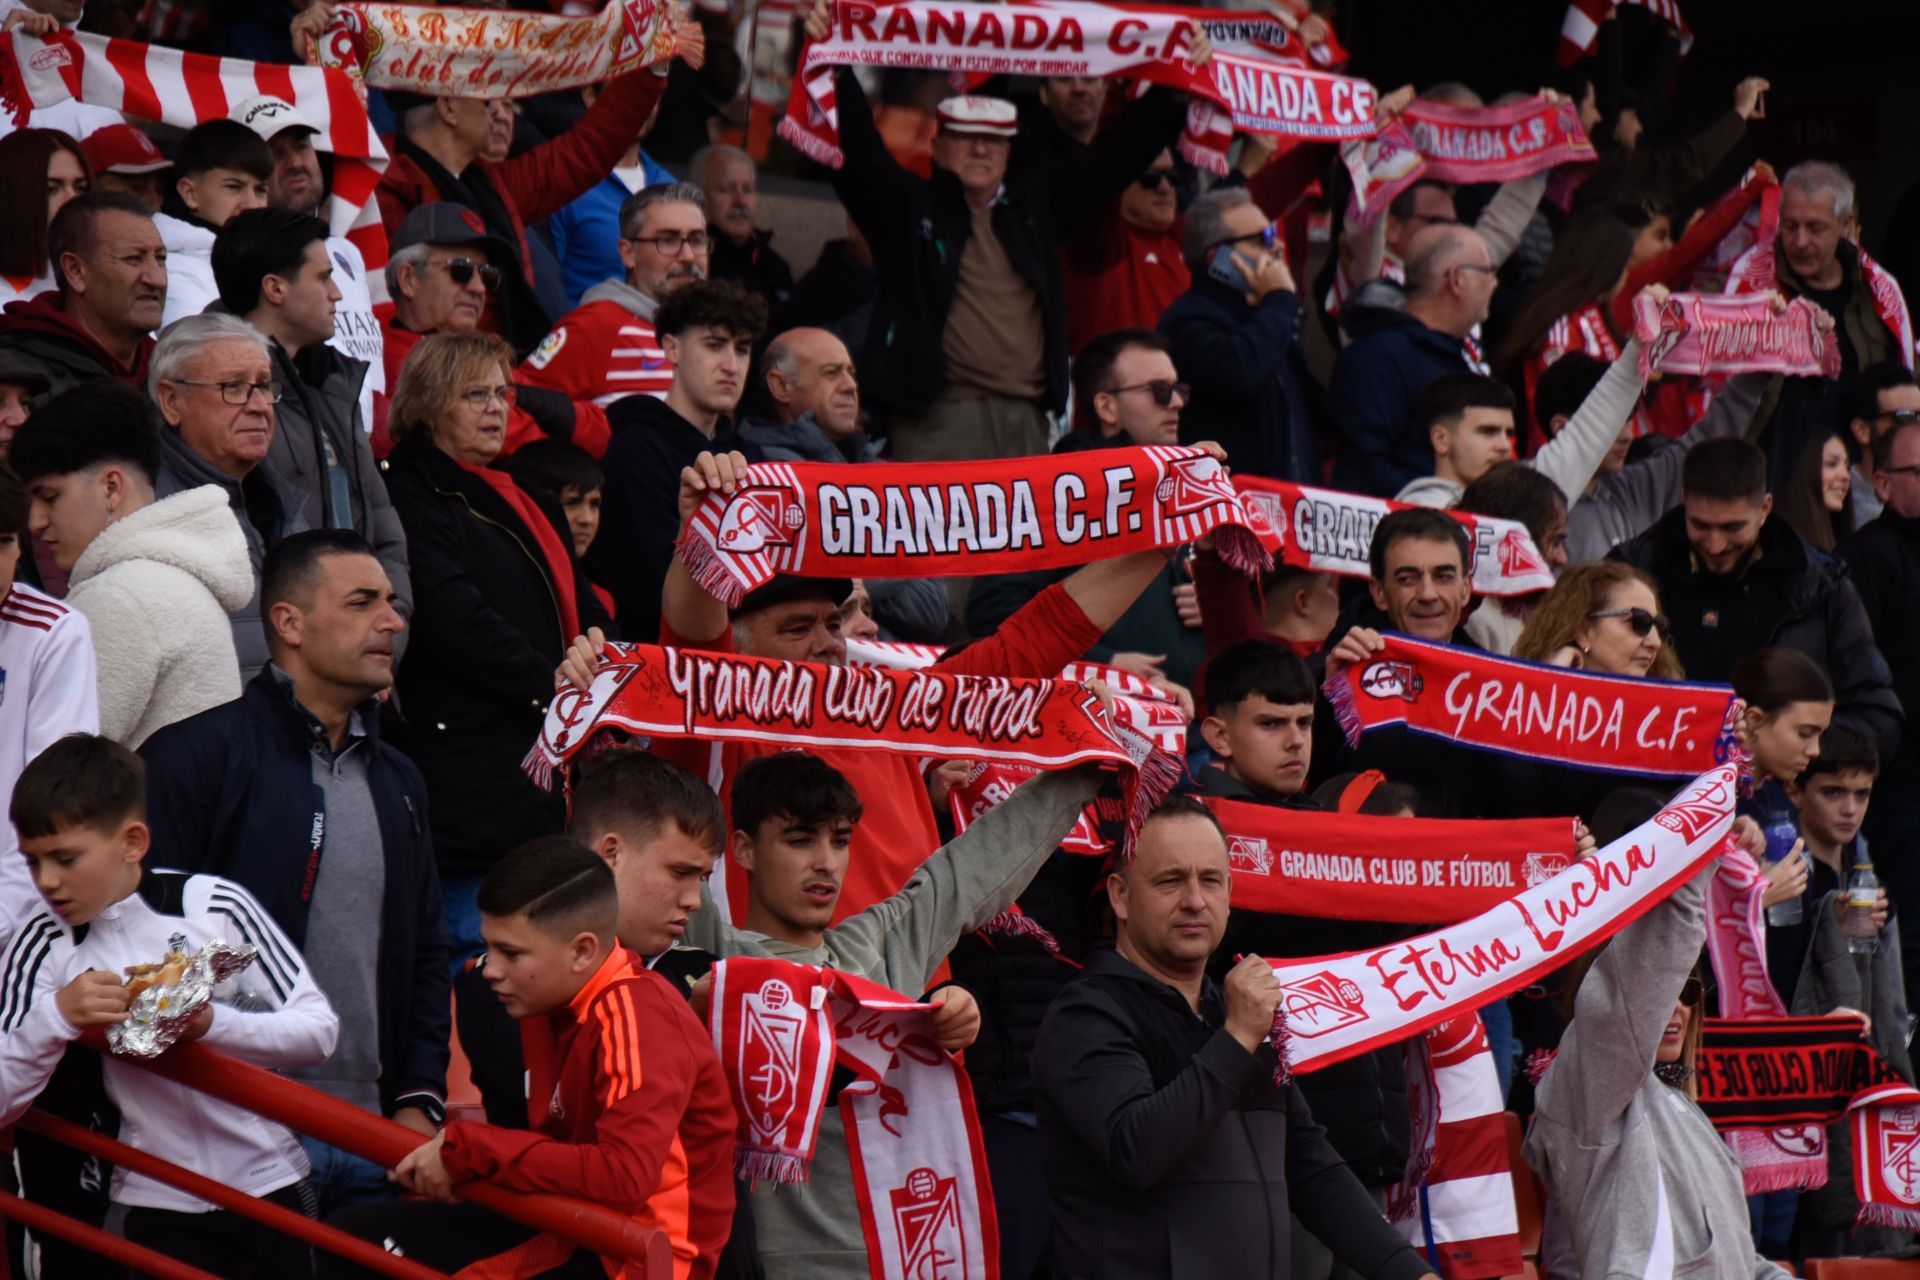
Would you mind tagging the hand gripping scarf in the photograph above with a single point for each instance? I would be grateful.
(919, 1166)
(1795, 1076)
(1615, 724)
(1715, 333)
(1246, 87)
(651, 692)
(152, 82)
(1436, 142)
(1335, 1007)
(494, 53)
(1330, 532)
(1756, 272)
(937, 519)
(1350, 866)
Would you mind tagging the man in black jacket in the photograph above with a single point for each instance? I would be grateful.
(1169, 1149)
(290, 792)
(273, 271)
(1734, 580)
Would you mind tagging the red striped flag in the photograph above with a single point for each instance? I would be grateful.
(1580, 29)
(1467, 1199)
(153, 82)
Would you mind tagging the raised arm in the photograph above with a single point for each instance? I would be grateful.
(1573, 457)
(547, 178)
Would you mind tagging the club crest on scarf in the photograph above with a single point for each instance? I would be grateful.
(1899, 1153)
(1324, 1002)
(1542, 867)
(1194, 484)
(760, 516)
(1249, 855)
(926, 1217)
(1517, 555)
(1391, 680)
(770, 1056)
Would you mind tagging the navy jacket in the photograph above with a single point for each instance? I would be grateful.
(1244, 364)
(231, 792)
(1375, 382)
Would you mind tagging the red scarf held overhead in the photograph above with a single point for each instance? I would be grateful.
(1615, 724)
(1342, 866)
(1435, 142)
(1712, 333)
(1757, 271)
(650, 691)
(937, 519)
(557, 555)
(919, 1165)
(1330, 532)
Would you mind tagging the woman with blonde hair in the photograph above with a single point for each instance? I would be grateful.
(1604, 617)
(498, 595)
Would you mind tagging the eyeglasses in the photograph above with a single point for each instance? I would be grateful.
(1898, 417)
(1162, 391)
(478, 398)
(1432, 219)
(460, 271)
(1154, 179)
(1472, 266)
(1691, 991)
(1900, 471)
(235, 392)
(1268, 236)
(669, 243)
(1641, 620)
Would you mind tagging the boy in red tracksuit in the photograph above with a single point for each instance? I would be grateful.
(627, 1101)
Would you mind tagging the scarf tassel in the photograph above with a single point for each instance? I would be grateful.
(1282, 1041)
(810, 145)
(1339, 691)
(1887, 1215)
(756, 1166)
(708, 569)
(1794, 1176)
(1241, 550)
(1158, 773)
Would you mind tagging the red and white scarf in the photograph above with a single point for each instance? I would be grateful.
(936, 519)
(152, 82)
(1437, 142)
(1757, 272)
(1335, 1007)
(919, 1166)
(493, 53)
(1330, 532)
(1351, 866)
(1460, 1179)
(1615, 724)
(650, 691)
(1244, 88)
(1580, 29)
(1701, 333)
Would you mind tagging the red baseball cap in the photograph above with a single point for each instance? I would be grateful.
(121, 148)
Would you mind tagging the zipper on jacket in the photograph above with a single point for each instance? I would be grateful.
(553, 596)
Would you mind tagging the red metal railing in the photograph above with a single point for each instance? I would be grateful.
(304, 1110)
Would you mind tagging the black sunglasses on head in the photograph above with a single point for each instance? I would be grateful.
(1160, 389)
(1691, 991)
(1641, 620)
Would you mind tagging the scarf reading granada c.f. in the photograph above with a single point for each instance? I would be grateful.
(1718, 333)
(1466, 145)
(1615, 724)
(936, 519)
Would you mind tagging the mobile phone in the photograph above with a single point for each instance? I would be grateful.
(1222, 267)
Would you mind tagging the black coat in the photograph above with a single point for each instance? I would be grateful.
(486, 639)
(1791, 595)
(1247, 373)
(1884, 562)
(918, 229)
(230, 792)
(1171, 1153)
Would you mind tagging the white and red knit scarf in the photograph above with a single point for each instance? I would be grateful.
(1580, 29)
(1245, 87)
(936, 519)
(1437, 142)
(492, 53)
(152, 82)
(650, 691)
(1701, 333)
(919, 1166)
(1757, 272)
(1330, 532)
(1352, 866)
(1615, 724)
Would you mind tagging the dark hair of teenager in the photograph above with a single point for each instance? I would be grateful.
(222, 144)
(257, 244)
(1256, 668)
(1093, 367)
(1727, 470)
(712, 304)
(1842, 750)
(1383, 800)
(1589, 253)
(557, 883)
(795, 788)
(1515, 491)
(24, 157)
(85, 427)
(74, 228)
(1403, 205)
(14, 504)
(1770, 679)
(1564, 387)
(1416, 523)
(637, 794)
(83, 780)
(292, 566)
(554, 466)
(1449, 396)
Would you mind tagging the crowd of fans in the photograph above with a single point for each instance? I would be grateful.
(289, 577)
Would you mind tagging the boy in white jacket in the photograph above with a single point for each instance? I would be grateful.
(80, 809)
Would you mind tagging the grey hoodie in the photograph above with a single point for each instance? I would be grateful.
(804, 440)
(1649, 1189)
(626, 295)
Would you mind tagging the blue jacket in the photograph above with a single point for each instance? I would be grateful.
(231, 792)
(584, 233)
(1375, 383)
(1244, 364)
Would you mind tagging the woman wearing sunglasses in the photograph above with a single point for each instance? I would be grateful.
(1605, 617)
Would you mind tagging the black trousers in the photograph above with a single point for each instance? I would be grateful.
(58, 1177)
(445, 1236)
(225, 1243)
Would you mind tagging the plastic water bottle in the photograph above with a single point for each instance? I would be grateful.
(1863, 893)
(1781, 833)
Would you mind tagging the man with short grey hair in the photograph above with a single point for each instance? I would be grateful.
(741, 251)
(212, 378)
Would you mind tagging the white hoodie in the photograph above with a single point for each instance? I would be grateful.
(190, 284)
(156, 586)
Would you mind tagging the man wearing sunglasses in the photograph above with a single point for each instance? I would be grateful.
(1884, 397)
(1124, 269)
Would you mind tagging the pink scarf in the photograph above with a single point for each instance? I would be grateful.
(1435, 142)
(1716, 333)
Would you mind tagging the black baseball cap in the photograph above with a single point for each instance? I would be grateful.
(446, 223)
(790, 588)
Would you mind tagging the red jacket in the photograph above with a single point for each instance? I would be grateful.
(628, 1108)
